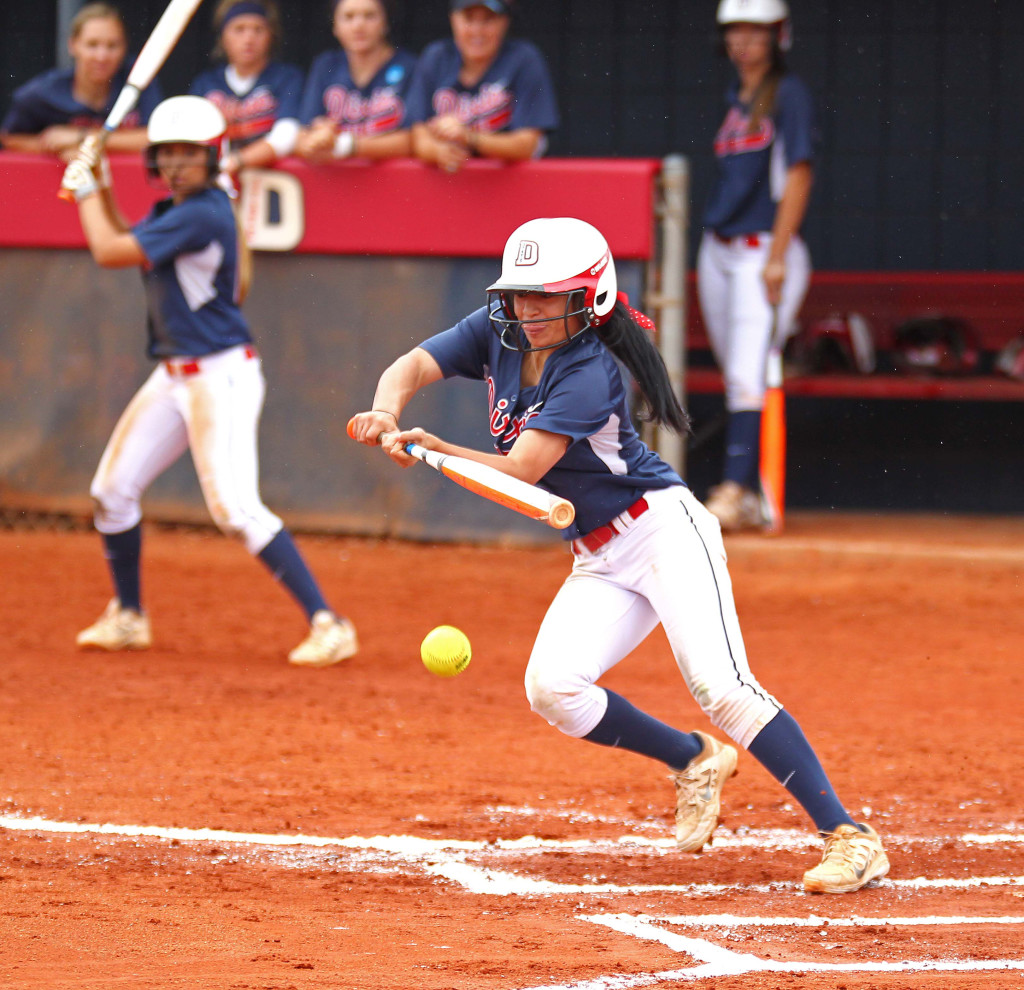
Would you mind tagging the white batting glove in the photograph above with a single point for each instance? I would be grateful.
(90, 151)
(79, 180)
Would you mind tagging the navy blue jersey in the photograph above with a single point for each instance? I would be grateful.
(190, 281)
(752, 166)
(581, 395)
(516, 90)
(48, 99)
(276, 94)
(376, 108)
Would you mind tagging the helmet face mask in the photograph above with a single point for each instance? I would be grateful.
(559, 256)
(509, 328)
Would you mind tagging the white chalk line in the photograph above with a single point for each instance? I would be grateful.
(445, 859)
(716, 962)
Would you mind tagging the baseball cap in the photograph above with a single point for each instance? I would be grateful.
(495, 6)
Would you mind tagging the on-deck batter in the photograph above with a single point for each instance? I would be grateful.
(207, 391)
(645, 550)
(752, 265)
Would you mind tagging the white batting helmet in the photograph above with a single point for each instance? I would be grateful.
(767, 12)
(185, 119)
(752, 12)
(557, 256)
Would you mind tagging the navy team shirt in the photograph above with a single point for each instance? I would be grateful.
(190, 281)
(376, 108)
(275, 95)
(515, 91)
(752, 167)
(581, 395)
(48, 99)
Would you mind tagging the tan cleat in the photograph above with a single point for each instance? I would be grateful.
(330, 640)
(117, 629)
(853, 858)
(699, 792)
(735, 507)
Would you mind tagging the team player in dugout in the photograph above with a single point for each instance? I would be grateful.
(354, 103)
(55, 111)
(258, 95)
(481, 93)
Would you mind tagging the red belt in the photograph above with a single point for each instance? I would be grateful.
(597, 538)
(751, 240)
(193, 367)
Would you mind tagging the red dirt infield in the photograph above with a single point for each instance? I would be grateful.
(203, 815)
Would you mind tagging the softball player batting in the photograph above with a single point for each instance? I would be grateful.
(753, 268)
(645, 551)
(207, 390)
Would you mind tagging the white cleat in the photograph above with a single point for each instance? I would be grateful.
(699, 792)
(330, 640)
(853, 858)
(736, 508)
(117, 629)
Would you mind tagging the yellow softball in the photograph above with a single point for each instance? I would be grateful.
(445, 651)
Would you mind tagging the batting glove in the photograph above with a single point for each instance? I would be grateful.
(79, 180)
(90, 151)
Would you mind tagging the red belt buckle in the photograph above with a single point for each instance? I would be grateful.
(752, 240)
(250, 352)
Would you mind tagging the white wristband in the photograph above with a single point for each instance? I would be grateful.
(344, 144)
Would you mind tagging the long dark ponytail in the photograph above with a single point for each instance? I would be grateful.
(627, 339)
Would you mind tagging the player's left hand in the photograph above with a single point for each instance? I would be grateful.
(394, 444)
(774, 275)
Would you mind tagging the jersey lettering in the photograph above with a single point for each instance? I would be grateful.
(246, 116)
(505, 428)
(735, 138)
(489, 110)
(379, 113)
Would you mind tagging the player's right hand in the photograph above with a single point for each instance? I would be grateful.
(79, 179)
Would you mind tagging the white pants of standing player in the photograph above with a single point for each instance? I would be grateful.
(669, 566)
(215, 412)
(737, 315)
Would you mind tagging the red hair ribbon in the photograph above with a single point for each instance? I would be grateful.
(640, 319)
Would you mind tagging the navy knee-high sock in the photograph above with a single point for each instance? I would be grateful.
(123, 552)
(743, 448)
(626, 727)
(285, 563)
(782, 748)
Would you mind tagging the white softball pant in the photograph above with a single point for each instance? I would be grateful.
(210, 405)
(669, 566)
(737, 314)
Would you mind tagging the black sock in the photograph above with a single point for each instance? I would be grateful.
(285, 563)
(123, 552)
(626, 727)
(782, 748)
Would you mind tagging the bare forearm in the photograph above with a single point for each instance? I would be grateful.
(397, 144)
(403, 379)
(509, 146)
(110, 246)
(792, 208)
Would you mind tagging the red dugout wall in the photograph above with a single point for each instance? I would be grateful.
(388, 254)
